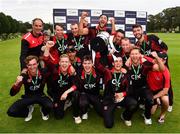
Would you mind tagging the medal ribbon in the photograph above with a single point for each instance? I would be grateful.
(36, 80)
(61, 46)
(88, 81)
(144, 47)
(117, 80)
(78, 43)
(136, 72)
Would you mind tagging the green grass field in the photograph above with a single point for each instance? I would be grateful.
(9, 69)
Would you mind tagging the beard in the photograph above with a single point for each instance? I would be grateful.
(139, 36)
(102, 25)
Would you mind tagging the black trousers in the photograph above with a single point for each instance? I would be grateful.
(145, 94)
(109, 108)
(59, 110)
(85, 99)
(170, 92)
(20, 107)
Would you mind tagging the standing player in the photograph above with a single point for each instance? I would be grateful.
(80, 42)
(117, 47)
(115, 94)
(93, 31)
(34, 81)
(60, 38)
(31, 42)
(75, 61)
(148, 43)
(126, 48)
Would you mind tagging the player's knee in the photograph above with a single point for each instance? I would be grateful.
(11, 111)
(108, 123)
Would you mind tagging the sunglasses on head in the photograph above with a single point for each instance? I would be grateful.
(71, 50)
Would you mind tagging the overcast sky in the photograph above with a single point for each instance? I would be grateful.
(27, 10)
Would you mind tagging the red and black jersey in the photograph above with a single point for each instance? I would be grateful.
(158, 80)
(118, 83)
(30, 45)
(61, 44)
(62, 82)
(34, 85)
(151, 43)
(137, 74)
(53, 58)
(88, 83)
(78, 41)
(114, 82)
(93, 31)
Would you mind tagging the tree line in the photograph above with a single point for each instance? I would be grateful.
(12, 28)
(166, 21)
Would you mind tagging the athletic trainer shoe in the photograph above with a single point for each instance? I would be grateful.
(126, 122)
(77, 120)
(147, 121)
(170, 108)
(29, 117)
(44, 117)
(161, 120)
(85, 116)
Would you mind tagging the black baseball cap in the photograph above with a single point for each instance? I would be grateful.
(70, 49)
(162, 55)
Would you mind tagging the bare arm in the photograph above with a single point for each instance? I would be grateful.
(65, 94)
(82, 30)
(113, 29)
(161, 66)
(161, 93)
(46, 48)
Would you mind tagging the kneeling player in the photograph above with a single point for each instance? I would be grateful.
(116, 85)
(159, 83)
(34, 81)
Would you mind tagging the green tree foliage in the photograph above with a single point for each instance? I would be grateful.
(10, 26)
(4, 24)
(48, 26)
(168, 19)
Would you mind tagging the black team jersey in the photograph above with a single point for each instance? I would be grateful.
(30, 45)
(62, 83)
(61, 44)
(78, 41)
(117, 84)
(137, 75)
(114, 82)
(151, 43)
(89, 83)
(33, 85)
(93, 31)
